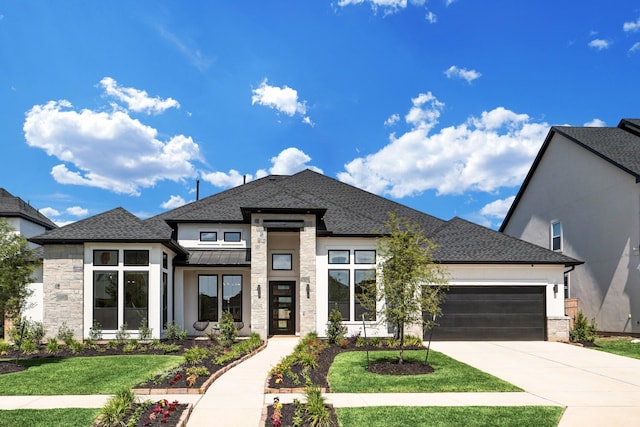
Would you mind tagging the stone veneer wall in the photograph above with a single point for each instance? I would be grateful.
(63, 287)
(259, 303)
(307, 306)
(558, 328)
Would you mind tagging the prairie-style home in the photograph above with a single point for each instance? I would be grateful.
(279, 253)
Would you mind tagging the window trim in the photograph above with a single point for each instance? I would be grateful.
(555, 236)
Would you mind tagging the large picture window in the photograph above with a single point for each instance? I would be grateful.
(232, 295)
(105, 299)
(136, 298)
(364, 281)
(339, 294)
(208, 298)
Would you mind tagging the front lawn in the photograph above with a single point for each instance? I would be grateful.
(453, 416)
(619, 346)
(48, 417)
(348, 374)
(84, 375)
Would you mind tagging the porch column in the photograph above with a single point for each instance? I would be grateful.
(308, 303)
(259, 287)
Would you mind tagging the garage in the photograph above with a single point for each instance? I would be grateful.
(492, 313)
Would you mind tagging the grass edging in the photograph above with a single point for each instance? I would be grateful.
(203, 388)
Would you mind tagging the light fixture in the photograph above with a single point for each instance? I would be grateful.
(259, 291)
(308, 291)
(555, 288)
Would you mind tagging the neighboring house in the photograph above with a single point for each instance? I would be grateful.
(581, 198)
(26, 220)
(279, 253)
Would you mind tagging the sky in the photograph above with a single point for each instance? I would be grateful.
(440, 105)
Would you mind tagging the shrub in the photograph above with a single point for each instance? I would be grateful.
(145, 330)
(317, 414)
(195, 355)
(29, 347)
(228, 331)
(583, 330)
(65, 334)
(4, 347)
(335, 329)
(95, 332)
(175, 332)
(76, 346)
(117, 407)
(198, 371)
(52, 346)
(122, 335)
(27, 330)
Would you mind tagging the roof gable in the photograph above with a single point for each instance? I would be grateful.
(12, 206)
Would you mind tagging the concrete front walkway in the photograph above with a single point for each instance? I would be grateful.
(598, 388)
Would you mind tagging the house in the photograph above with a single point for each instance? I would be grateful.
(26, 220)
(278, 253)
(581, 198)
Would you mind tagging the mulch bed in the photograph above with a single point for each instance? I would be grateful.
(288, 412)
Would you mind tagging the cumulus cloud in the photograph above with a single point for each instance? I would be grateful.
(392, 120)
(631, 26)
(599, 44)
(77, 211)
(288, 162)
(137, 100)
(108, 150)
(482, 154)
(387, 6)
(283, 99)
(498, 208)
(431, 17)
(596, 123)
(49, 212)
(462, 73)
(173, 202)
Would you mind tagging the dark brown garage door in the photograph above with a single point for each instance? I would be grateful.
(492, 313)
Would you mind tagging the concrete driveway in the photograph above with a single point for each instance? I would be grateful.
(597, 388)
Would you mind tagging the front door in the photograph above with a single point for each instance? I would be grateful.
(282, 303)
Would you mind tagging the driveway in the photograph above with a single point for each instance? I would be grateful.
(597, 388)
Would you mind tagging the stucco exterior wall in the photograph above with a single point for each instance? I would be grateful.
(599, 208)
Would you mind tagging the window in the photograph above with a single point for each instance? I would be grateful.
(105, 257)
(208, 298)
(165, 260)
(556, 236)
(136, 298)
(165, 299)
(365, 257)
(281, 262)
(208, 236)
(339, 257)
(339, 294)
(232, 236)
(136, 257)
(105, 299)
(232, 296)
(364, 279)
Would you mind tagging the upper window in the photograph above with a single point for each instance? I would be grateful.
(339, 257)
(136, 257)
(105, 257)
(556, 236)
(281, 262)
(365, 257)
(208, 236)
(165, 260)
(232, 236)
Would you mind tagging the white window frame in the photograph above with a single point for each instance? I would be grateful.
(554, 236)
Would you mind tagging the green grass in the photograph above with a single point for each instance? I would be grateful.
(73, 417)
(452, 416)
(620, 346)
(348, 374)
(84, 375)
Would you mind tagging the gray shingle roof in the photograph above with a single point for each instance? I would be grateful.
(461, 241)
(12, 206)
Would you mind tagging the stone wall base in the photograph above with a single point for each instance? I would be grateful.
(558, 328)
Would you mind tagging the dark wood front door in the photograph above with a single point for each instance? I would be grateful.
(282, 308)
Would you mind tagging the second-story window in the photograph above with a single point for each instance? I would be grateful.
(556, 236)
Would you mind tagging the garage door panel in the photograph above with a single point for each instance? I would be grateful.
(492, 313)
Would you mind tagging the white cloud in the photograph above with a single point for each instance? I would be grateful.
(431, 17)
(387, 6)
(462, 73)
(635, 47)
(596, 123)
(631, 26)
(289, 161)
(108, 150)
(137, 100)
(392, 120)
(599, 44)
(49, 212)
(173, 202)
(193, 54)
(77, 211)
(498, 208)
(483, 154)
(283, 99)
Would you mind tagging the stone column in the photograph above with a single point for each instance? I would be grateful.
(259, 301)
(307, 306)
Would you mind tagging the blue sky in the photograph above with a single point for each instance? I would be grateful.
(441, 105)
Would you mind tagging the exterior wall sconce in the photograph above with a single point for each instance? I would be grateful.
(555, 289)
(308, 291)
(259, 292)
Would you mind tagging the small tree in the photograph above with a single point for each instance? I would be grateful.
(17, 264)
(410, 283)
